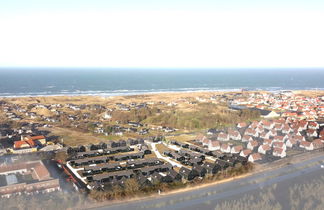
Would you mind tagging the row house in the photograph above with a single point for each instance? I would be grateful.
(252, 144)
(263, 149)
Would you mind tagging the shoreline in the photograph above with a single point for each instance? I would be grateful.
(148, 92)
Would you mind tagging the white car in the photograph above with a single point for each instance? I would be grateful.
(322, 166)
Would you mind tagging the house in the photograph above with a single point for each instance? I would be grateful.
(311, 133)
(223, 136)
(222, 164)
(279, 139)
(201, 170)
(188, 174)
(321, 133)
(205, 142)
(259, 129)
(234, 135)
(214, 145)
(241, 125)
(264, 135)
(272, 114)
(251, 132)
(175, 176)
(317, 143)
(263, 149)
(306, 145)
(247, 138)
(254, 157)
(272, 133)
(279, 152)
(299, 138)
(225, 148)
(278, 127)
(236, 149)
(267, 124)
(286, 129)
(291, 142)
(268, 142)
(252, 144)
(313, 125)
(211, 131)
(245, 153)
(281, 145)
(211, 168)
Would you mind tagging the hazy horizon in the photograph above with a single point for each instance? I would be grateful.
(162, 34)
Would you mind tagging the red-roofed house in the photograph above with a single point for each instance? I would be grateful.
(241, 125)
(225, 148)
(306, 145)
(251, 132)
(268, 142)
(317, 143)
(264, 148)
(236, 149)
(286, 129)
(214, 145)
(235, 135)
(313, 125)
(291, 142)
(281, 145)
(245, 153)
(205, 142)
(311, 133)
(272, 133)
(223, 137)
(252, 144)
(254, 157)
(279, 152)
(264, 135)
(247, 138)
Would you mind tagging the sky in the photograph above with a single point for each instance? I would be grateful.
(162, 34)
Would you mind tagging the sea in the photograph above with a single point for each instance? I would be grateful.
(16, 82)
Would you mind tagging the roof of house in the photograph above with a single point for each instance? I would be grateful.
(256, 156)
(305, 143)
(246, 152)
(278, 150)
(215, 143)
(265, 147)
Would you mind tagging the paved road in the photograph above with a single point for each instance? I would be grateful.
(214, 193)
(158, 155)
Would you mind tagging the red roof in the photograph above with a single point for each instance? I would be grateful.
(36, 137)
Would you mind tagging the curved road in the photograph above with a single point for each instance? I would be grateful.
(214, 193)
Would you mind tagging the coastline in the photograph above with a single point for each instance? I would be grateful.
(150, 92)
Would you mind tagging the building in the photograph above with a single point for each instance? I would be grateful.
(27, 177)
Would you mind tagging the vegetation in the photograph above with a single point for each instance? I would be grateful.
(207, 115)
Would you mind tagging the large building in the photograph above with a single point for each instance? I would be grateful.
(27, 177)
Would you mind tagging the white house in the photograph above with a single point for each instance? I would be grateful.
(223, 137)
(214, 145)
(252, 144)
(236, 149)
(225, 148)
(254, 157)
(278, 152)
(264, 148)
(245, 153)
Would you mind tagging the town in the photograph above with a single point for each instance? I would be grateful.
(134, 143)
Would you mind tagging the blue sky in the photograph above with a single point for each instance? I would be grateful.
(162, 34)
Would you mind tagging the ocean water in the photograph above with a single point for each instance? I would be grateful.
(106, 82)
